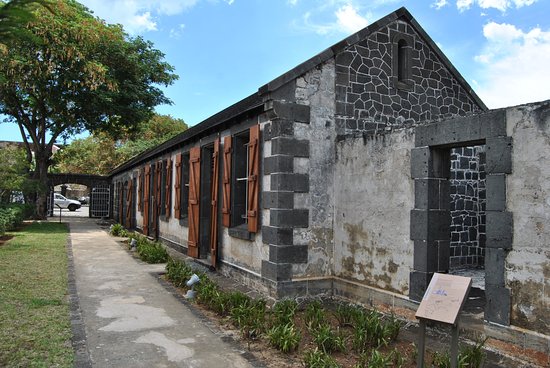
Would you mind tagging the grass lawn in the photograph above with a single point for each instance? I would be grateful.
(35, 329)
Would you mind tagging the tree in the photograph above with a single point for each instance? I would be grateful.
(14, 170)
(99, 153)
(16, 13)
(77, 73)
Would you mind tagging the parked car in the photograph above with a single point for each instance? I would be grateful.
(63, 202)
(84, 200)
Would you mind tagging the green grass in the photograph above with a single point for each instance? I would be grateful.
(35, 329)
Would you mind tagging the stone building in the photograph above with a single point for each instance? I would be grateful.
(360, 173)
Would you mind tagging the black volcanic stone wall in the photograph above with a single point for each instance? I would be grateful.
(467, 188)
(367, 99)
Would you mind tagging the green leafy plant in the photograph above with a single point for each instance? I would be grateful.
(319, 359)
(315, 314)
(441, 359)
(284, 311)
(152, 252)
(285, 338)
(12, 215)
(328, 340)
(344, 313)
(472, 356)
(250, 318)
(178, 272)
(119, 230)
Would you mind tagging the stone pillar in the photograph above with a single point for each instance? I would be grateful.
(430, 218)
(284, 217)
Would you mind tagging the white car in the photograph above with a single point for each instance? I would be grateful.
(63, 202)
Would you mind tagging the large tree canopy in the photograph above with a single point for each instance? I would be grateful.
(77, 73)
(100, 153)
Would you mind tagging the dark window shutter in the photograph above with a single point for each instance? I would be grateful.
(214, 207)
(168, 188)
(226, 199)
(253, 178)
(129, 204)
(120, 203)
(194, 201)
(140, 191)
(146, 195)
(177, 187)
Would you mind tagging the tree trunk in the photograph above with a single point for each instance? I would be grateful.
(42, 163)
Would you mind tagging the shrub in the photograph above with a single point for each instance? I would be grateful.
(284, 311)
(152, 252)
(319, 359)
(315, 314)
(285, 338)
(327, 340)
(119, 230)
(12, 215)
(178, 272)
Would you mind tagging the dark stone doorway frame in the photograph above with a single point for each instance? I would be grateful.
(430, 219)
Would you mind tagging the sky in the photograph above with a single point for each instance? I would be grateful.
(224, 50)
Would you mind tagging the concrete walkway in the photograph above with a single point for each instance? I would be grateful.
(129, 318)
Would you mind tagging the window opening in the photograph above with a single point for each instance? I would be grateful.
(240, 173)
(402, 61)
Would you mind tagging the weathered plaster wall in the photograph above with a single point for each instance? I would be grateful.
(316, 90)
(528, 198)
(373, 196)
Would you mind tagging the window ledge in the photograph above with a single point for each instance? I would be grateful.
(241, 232)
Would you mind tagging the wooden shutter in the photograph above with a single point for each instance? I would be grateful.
(120, 203)
(226, 186)
(214, 206)
(168, 188)
(253, 178)
(157, 201)
(146, 194)
(129, 204)
(177, 187)
(140, 191)
(194, 202)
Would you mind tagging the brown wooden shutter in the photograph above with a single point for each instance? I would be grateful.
(168, 188)
(226, 199)
(129, 204)
(120, 203)
(214, 207)
(177, 187)
(194, 202)
(146, 194)
(140, 191)
(253, 178)
(157, 201)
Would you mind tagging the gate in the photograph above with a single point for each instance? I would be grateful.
(100, 201)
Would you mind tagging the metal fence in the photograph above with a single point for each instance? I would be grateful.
(100, 198)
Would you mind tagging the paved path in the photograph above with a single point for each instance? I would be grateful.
(130, 319)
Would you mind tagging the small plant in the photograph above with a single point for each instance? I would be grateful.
(327, 340)
(284, 311)
(319, 359)
(391, 328)
(344, 313)
(315, 314)
(119, 230)
(285, 338)
(441, 359)
(178, 272)
(472, 356)
(379, 360)
(152, 252)
(250, 318)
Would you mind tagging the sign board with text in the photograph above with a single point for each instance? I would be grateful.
(444, 298)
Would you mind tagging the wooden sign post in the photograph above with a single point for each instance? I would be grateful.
(442, 302)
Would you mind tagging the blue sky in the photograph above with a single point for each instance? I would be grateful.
(224, 50)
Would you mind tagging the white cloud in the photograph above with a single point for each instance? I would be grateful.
(440, 4)
(501, 5)
(514, 65)
(138, 16)
(178, 31)
(349, 20)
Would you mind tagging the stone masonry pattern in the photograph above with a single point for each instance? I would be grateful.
(468, 199)
(367, 100)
